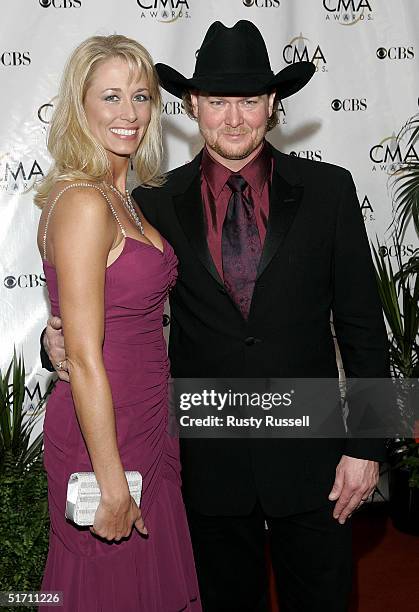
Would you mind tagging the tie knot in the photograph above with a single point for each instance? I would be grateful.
(237, 183)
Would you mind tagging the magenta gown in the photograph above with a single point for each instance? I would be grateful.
(138, 574)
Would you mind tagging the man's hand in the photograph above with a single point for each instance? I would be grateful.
(54, 346)
(355, 480)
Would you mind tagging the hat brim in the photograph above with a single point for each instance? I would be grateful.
(287, 82)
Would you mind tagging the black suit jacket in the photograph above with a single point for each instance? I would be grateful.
(316, 259)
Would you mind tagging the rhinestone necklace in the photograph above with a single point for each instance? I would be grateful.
(126, 200)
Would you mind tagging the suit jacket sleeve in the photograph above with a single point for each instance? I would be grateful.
(357, 312)
(45, 362)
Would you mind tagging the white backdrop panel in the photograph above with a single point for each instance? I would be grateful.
(366, 86)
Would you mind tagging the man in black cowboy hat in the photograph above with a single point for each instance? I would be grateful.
(268, 246)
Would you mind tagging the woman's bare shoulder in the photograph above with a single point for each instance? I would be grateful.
(75, 190)
(79, 212)
(81, 199)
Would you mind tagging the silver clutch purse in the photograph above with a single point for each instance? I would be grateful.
(83, 495)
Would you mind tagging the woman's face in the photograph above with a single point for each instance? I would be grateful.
(117, 107)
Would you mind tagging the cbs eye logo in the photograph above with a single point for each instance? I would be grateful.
(248, 2)
(10, 282)
(60, 3)
(349, 104)
(396, 53)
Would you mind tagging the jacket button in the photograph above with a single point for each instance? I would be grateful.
(250, 341)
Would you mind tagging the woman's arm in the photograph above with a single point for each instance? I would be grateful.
(82, 231)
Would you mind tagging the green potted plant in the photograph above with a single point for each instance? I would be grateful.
(399, 292)
(24, 523)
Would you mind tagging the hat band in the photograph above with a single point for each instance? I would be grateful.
(253, 75)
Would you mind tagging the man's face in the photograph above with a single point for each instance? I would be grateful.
(232, 126)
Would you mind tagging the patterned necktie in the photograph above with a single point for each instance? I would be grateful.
(241, 248)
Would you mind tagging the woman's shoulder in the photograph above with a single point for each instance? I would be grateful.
(72, 190)
(79, 207)
(80, 214)
(84, 197)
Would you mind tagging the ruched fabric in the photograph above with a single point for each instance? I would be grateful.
(153, 574)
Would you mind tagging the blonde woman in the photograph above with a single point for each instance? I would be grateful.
(108, 273)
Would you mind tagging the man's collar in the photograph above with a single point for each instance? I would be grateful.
(254, 172)
(215, 173)
(285, 166)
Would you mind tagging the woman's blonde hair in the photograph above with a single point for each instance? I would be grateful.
(76, 153)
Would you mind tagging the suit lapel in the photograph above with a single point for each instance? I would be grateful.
(189, 210)
(285, 197)
(284, 200)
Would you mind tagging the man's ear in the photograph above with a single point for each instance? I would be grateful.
(194, 103)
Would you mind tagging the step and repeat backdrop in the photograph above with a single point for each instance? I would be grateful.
(365, 88)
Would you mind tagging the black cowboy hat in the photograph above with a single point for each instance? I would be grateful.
(235, 61)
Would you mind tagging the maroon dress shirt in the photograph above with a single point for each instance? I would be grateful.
(216, 194)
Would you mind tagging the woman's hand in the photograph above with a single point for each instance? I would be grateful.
(115, 518)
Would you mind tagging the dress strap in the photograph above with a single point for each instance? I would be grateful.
(57, 197)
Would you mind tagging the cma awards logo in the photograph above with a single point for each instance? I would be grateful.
(392, 153)
(165, 11)
(34, 395)
(18, 175)
(282, 114)
(60, 3)
(24, 281)
(45, 112)
(367, 209)
(395, 53)
(262, 3)
(300, 49)
(348, 12)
